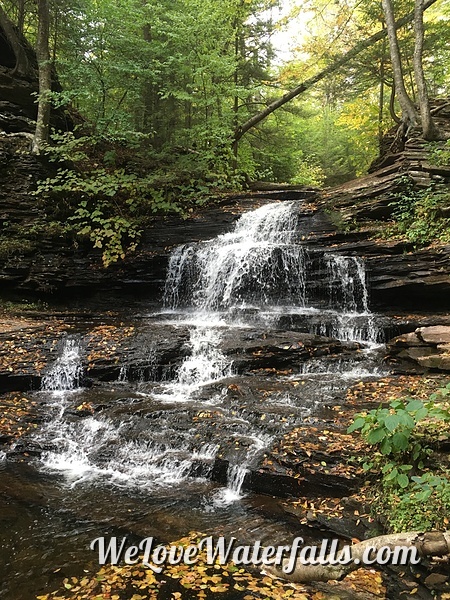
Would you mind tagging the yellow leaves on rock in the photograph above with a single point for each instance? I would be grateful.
(199, 580)
(104, 341)
(14, 410)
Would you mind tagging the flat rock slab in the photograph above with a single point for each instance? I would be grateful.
(426, 347)
(440, 334)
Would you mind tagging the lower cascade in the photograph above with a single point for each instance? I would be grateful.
(65, 373)
(259, 335)
(175, 432)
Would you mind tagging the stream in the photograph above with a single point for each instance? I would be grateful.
(171, 451)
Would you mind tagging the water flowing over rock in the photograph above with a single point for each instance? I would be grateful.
(257, 262)
(65, 373)
(261, 334)
(216, 290)
(263, 263)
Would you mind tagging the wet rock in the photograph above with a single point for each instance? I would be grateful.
(278, 350)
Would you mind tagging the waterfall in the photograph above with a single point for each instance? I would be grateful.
(65, 373)
(347, 283)
(162, 455)
(257, 262)
(261, 267)
(262, 263)
(348, 297)
(235, 480)
(204, 364)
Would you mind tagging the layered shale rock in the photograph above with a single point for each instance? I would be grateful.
(426, 347)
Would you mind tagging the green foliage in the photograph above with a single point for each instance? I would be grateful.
(420, 216)
(109, 205)
(106, 189)
(115, 235)
(402, 436)
(440, 153)
(424, 506)
(21, 306)
(393, 431)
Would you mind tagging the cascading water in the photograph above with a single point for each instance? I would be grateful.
(161, 455)
(205, 364)
(257, 262)
(261, 266)
(181, 441)
(65, 373)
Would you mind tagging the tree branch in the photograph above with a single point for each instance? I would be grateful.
(336, 64)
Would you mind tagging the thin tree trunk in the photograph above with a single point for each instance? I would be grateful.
(392, 112)
(381, 96)
(45, 77)
(409, 115)
(147, 90)
(429, 129)
(22, 65)
(308, 83)
(236, 97)
(21, 16)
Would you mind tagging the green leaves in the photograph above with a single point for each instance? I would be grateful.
(396, 432)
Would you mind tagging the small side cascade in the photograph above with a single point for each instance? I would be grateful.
(348, 298)
(236, 475)
(66, 371)
(347, 283)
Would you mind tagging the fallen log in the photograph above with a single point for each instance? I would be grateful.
(363, 554)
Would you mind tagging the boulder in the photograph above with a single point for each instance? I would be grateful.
(439, 335)
(426, 347)
(440, 362)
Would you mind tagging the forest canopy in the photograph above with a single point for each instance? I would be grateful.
(186, 75)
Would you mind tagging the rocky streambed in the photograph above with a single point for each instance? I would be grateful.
(280, 414)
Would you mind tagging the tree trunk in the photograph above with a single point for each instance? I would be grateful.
(334, 66)
(21, 16)
(409, 115)
(381, 95)
(429, 130)
(427, 544)
(22, 65)
(45, 77)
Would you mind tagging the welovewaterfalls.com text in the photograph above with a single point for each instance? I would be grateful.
(115, 550)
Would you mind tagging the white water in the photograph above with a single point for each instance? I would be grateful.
(257, 261)
(233, 491)
(205, 364)
(153, 459)
(261, 264)
(257, 271)
(64, 375)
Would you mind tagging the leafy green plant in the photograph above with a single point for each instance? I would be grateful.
(114, 235)
(402, 435)
(393, 431)
(420, 216)
(440, 153)
(423, 506)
